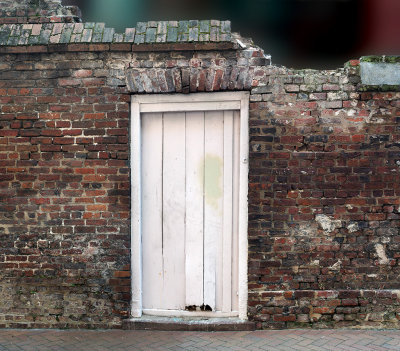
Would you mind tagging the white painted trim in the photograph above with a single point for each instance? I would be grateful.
(194, 106)
(178, 313)
(243, 204)
(189, 98)
(136, 212)
(187, 103)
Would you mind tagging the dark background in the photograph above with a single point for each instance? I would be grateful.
(297, 33)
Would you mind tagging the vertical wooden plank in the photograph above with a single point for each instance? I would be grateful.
(194, 207)
(235, 222)
(213, 202)
(174, 210)
(227, 213)
(152, 136)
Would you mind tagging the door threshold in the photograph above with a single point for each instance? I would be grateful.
(187, 324)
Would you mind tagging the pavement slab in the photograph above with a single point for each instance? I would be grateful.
(141, 340)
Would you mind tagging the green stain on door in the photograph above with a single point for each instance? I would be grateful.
(213, 172)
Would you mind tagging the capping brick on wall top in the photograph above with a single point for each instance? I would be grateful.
(152, 32)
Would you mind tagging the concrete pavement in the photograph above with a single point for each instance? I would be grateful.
(274, 340)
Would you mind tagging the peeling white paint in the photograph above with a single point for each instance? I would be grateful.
(327, 224)
(385, 240)
(373, 119)
(255, 147)
(242, 45)
(380, 251)
(304, 230)
(351, 113)
(336, 266)
(353, 227)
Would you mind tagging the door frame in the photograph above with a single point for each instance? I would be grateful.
(187, 103)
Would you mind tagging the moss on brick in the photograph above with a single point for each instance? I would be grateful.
(383, 88)
(382, 58)
(145, 33)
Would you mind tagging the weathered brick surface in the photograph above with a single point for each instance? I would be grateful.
(46, 22)
(323, 184)
(64, 192)
(53, 32)
(43, 11)
(323, 200)
(65, 186)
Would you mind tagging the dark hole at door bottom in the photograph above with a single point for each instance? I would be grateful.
(194, 308)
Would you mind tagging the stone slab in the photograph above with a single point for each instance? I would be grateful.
(380, 73)
(187, 324)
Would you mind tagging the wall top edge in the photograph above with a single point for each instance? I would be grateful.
(145, 33)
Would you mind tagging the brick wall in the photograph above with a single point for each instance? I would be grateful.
(65, 183)
(324, 200)
(64, 192)
(323, 185)
(37, 11)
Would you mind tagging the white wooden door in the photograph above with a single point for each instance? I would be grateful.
(190, 193)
